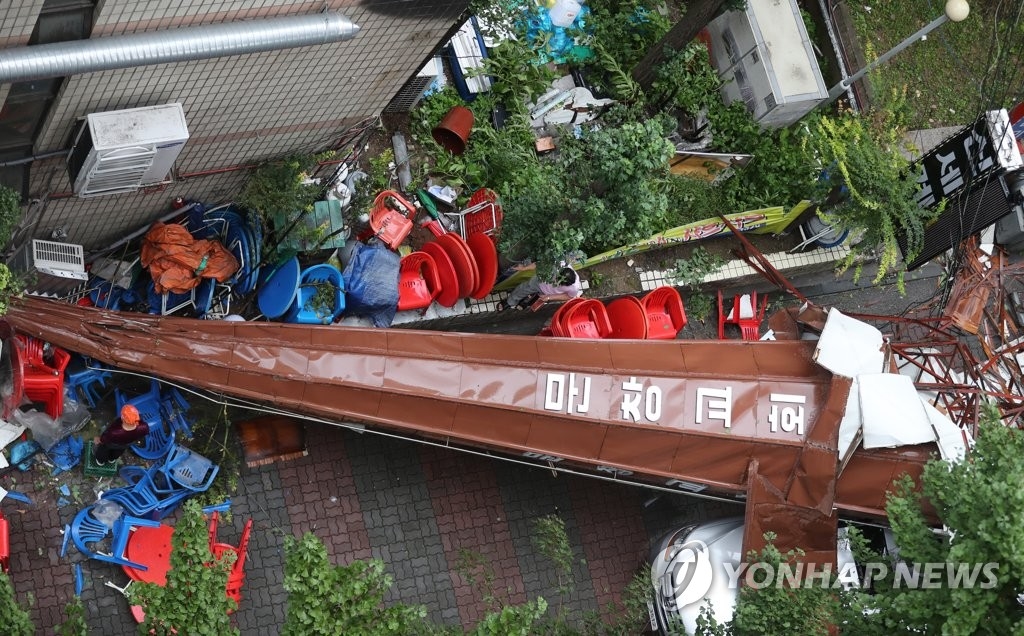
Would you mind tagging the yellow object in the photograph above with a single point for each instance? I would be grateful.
(764, 221)
(404, 250)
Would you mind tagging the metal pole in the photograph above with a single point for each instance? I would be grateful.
(845, 83)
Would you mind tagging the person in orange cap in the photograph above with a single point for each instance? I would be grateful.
(119, 435)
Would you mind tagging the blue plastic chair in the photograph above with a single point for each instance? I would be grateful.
(122, 532)
(188, 469)
(81, 383)
(175, 414)
(86, 529)
(161, 433)
(147, 500)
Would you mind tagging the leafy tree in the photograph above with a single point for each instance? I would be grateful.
(11, 286)
(770, 610)
(10, 213)
(15, 619)
(74, 624)
(327, 599)
(606, 189)
(513, 620)
(980, 504)
(193, 599)
(881, 205)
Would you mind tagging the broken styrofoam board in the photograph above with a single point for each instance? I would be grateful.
(9, 432)
(849, 426)
(952, 440)
(892, 414)
(849, 347)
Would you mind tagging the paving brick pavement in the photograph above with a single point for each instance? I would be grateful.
(416, 507)
(472, 521)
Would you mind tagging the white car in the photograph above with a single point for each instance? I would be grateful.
(689, 565)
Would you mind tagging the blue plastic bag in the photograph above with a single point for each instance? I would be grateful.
(372, 280)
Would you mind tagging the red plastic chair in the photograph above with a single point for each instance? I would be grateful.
(628, 318)
(558, 327)
(665, 313)
(42, 382)
(745, 314)
(391, 218)
(419, 282)
(236, 577)
(5, 546)
(588, 319)
(485, 214)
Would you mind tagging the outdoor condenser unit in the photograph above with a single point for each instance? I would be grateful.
(51, 269)
(766, 59)
(124, 150)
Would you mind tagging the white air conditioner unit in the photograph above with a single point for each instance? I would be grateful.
(124, 150)
(50, 269)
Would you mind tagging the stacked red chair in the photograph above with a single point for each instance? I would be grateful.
(588, 319)
(628, 318)
(419, 281)
(43, 382)
(665, 313)
(236, 577)
(659, 315)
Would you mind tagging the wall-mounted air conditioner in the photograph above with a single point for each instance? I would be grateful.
(50, 269)
(124, 150)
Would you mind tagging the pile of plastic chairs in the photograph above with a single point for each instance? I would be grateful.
(659, 315)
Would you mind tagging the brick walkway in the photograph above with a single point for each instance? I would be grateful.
(415, 507)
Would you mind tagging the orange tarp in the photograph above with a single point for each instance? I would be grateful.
(177, 261)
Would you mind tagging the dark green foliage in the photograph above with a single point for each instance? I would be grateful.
(328, 599)
(74, 624)
(193, 599)
(686, 80)
(627, 29)
(10, 213)
(980, 503)
(276, 188)
(14, 619)
(603, 190)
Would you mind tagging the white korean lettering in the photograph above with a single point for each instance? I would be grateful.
(652, 403)
(950, 174)
(614, 471)
(718, 405)
(974, 146)
(554, 399)
(790, 416)
(583, 405)
(635, 394)
(563, 393)
(542, 457)
(631, 401)
(925, 196)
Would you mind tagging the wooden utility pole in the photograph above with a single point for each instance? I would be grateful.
(698, 14)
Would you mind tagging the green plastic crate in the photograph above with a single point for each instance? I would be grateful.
(94, 469)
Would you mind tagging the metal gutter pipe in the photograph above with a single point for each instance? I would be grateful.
(207, 41)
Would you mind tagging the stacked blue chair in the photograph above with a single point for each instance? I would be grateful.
(82, 382)
(161, 434)
(86, 530)
(156, 491)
